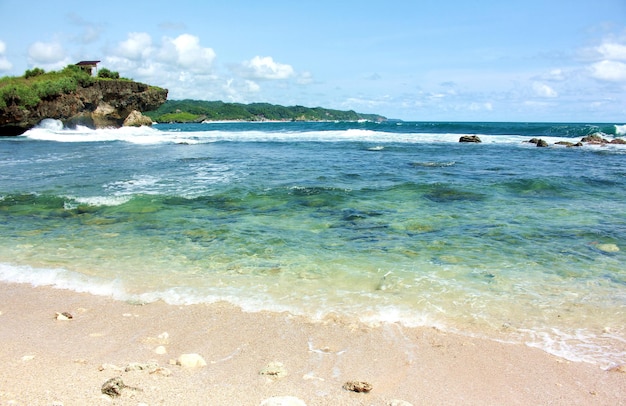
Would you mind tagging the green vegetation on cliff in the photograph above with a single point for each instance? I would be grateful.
(36, 85)
(185, 111)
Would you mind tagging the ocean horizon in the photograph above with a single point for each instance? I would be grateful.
(382, 222)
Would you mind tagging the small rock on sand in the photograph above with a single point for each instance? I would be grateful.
(113, 387)
(191, 361)
(283, 401)
(63, 316)
(357, 386)
(138, 366)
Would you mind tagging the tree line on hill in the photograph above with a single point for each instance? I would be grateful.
(186, 111)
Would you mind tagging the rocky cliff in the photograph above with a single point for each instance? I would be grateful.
(104, 103)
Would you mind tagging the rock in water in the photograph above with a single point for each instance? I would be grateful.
(470, 138)
(358, 386)
(136, 119)
(283, 401)
(191, 361)
(608, 247)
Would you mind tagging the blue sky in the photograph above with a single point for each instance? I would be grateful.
(531, 60)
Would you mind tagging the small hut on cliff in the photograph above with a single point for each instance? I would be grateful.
(88, 66)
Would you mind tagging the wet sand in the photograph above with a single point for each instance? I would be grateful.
(46, 361)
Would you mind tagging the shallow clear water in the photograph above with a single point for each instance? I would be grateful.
(385, 222)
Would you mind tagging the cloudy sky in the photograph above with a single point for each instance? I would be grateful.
(480, 60)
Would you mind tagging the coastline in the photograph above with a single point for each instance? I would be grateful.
(66, 362)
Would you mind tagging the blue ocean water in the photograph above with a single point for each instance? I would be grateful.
(384, 222)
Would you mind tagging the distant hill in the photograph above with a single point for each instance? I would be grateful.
(186, 111)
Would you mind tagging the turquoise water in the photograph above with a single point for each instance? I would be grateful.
(385, 222)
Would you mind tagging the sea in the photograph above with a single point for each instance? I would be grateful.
(390, 222)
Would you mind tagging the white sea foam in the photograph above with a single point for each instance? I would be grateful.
(115, 200)
(144, 184)
(61, 279)
(577, 346)
(52, 130)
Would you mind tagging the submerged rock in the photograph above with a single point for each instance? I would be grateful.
(594, 139)
(569, 144)
(608, 247)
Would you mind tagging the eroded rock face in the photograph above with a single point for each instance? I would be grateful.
(105, 103)
(136, 119)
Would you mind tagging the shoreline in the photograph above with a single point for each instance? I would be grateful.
(66, 362)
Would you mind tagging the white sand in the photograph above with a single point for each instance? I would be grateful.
(44, 361)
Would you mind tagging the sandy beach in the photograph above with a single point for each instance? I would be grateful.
(252, 357)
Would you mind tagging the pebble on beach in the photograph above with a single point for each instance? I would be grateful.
(191, 361)
(63, 316)
(113, 387)
(357, 386)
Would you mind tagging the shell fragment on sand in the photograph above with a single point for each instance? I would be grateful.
(191, 361)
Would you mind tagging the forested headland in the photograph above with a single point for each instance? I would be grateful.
(186, 111)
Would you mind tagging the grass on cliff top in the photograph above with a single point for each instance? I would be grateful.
(36, 85)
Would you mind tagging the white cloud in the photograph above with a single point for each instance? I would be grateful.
(179, 64)
(137, 46)
(612, 51)
(48, 55)
(46, 52)
(265, 68)
(612, 71)
(543, 90)
(4, 62)
(185, 52)
(253, 87)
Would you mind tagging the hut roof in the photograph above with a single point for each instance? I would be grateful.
(87, 63)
